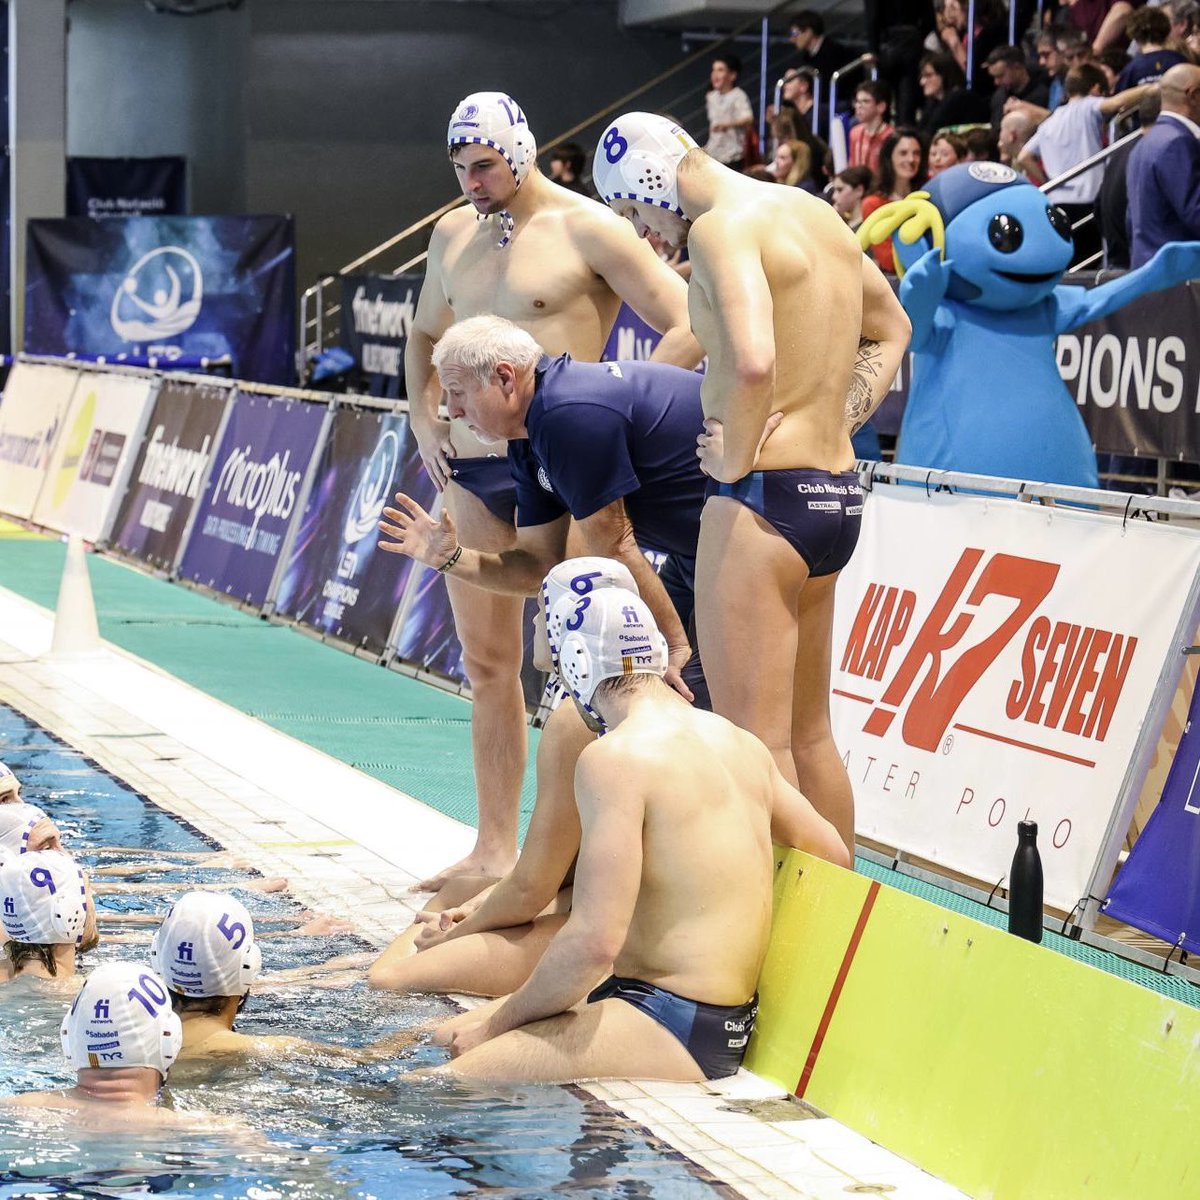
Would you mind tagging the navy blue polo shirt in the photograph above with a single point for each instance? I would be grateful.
(600, 432)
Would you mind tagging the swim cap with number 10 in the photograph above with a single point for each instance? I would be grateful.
(638, 159)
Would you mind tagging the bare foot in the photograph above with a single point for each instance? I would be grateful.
(278, 884)
(323, 924)
(478, 862)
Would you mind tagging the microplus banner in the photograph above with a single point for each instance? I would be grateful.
(981, 677)
(252, 493)
(32, 411)
(170, 471)
(337, 579)
(127, 187)
(209, 287)
(377, 317)
(92, 457)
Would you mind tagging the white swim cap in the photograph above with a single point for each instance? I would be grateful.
(43, 898)
(122, 1017)
(206, 946)
(577, 577)
(16, 823)
(638, 158)
(604, 635)
(494, 119)
(10, 785)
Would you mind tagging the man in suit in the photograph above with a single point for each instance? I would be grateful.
(1163, 176)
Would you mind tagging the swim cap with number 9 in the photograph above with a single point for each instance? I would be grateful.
(638, 159)
(122, 1017)
(43, 898)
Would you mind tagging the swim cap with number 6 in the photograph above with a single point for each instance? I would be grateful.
(638, 158)
(122, 1017)
(577, 577)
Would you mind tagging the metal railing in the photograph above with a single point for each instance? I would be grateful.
(320, 303)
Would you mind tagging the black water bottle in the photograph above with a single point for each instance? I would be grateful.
(1025, 885)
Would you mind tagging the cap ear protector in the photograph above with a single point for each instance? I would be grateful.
(604, 635)
(579, 577)
(43, 898)
(122, 1017)
(638, 158)
(495, 120)
(206, 947)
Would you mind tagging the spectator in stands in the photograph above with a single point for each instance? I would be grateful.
(1163, 176)
(1054, 64)
(903, 167)
(567, 164)
(847, 191)
(1112, 203)
(730, 116)
(1016, 128)
(1071, 134)
(982, 145)
(1150, 28)
(1112, 62)
(946, 102)
(1014, 80)
(945, 150)
(815, 48)
(991, 30)
(896, 32)
(1102, 22)
(792, 163)
(795, 97)
(1185, 27)
(872, 102)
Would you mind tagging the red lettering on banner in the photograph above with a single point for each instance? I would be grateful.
(1059, 686)
(937, 697)
(879, 627)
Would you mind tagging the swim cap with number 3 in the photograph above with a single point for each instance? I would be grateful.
(638, 159)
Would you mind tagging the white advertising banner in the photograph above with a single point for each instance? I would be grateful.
(993, 662)
(31, 416)
(91, 460)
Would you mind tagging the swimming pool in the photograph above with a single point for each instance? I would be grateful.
(306, 1128)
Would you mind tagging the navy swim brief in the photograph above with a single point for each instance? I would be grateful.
(818, 513)
(715, 1035)
(491, 480)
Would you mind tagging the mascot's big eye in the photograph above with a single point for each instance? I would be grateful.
(1060, 221)
(1005, 233)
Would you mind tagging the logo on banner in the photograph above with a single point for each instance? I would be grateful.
(75, 444)
(159, 297)
(1071, 674)
(374, 485)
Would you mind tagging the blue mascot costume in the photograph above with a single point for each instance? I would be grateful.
(982, 255)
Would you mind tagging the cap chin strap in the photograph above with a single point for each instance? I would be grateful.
(505, 220)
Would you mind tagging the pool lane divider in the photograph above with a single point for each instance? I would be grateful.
(1006, 1069)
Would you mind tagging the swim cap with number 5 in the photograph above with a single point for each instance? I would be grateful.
(206, 946)
(638, 158)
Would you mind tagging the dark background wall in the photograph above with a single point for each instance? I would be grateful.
(335, 110)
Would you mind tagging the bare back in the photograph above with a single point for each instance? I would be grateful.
(703, 913)
(814, 292)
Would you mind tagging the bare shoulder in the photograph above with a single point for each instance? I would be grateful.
(593, 225)
(454, 224)
(622, 756)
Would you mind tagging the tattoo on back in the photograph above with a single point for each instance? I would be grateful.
(860, 400)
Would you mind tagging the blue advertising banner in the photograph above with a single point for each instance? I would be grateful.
(169, 471)
(630, 338)
(1158, 888)
(336, 579)
(377, 316)
(427, 638)
(251, 495)
(204, 286)
(127, 187)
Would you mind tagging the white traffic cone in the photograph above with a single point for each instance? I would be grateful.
(75, 628)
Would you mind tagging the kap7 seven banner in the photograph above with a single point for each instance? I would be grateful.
(994, 661)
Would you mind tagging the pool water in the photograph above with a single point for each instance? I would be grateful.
(303, 1128)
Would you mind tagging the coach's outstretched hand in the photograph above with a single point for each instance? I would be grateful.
(409, 529)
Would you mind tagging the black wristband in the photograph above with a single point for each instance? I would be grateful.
(449, 563)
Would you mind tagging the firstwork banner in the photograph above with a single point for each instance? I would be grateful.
(1158, 888)
(337, 579)
(251, 495)
(165, 286)
(92, 456)
(377, 317)
(170, 470)
(32, 411)
(127, 187)
(981, 677)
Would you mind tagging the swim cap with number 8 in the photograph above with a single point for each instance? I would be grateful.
(638, 159)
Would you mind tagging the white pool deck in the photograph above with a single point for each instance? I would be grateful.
(297, 812)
